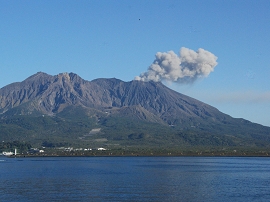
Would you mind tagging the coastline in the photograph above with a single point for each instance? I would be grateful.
(140, 155)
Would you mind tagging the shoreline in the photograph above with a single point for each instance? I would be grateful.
(184, 155)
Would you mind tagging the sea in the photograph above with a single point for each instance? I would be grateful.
(135, 179)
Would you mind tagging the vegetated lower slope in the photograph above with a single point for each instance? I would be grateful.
(67, 110)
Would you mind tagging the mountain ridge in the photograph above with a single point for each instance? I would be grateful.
(69, 89)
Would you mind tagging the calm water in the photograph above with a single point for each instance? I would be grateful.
(135, 179)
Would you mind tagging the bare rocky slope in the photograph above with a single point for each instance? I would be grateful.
(51, 94)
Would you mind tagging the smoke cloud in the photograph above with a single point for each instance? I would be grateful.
(186, 68)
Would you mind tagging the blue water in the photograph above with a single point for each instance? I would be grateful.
(135, 179)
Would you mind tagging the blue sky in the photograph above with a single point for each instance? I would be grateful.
(105, 39)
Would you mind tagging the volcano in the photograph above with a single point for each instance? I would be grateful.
(66, 108)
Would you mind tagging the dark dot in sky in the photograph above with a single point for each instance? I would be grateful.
(139, 19)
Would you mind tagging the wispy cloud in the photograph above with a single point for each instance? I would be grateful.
(239, 97)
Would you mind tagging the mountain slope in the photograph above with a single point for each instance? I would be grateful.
(50, 94)
(132, 112)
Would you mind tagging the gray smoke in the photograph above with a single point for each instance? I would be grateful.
(186, 68)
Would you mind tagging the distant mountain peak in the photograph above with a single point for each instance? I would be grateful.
(38, 74)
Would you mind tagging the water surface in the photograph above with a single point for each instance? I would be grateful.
(135, 179)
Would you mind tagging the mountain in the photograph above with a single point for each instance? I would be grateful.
(51, 94)
(65, 109)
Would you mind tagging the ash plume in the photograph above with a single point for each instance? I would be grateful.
(185, 68)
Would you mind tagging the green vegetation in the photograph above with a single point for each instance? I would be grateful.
(145, 151)
(11, 146)
(77, 127)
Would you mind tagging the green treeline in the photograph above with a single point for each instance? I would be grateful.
(10, 146)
